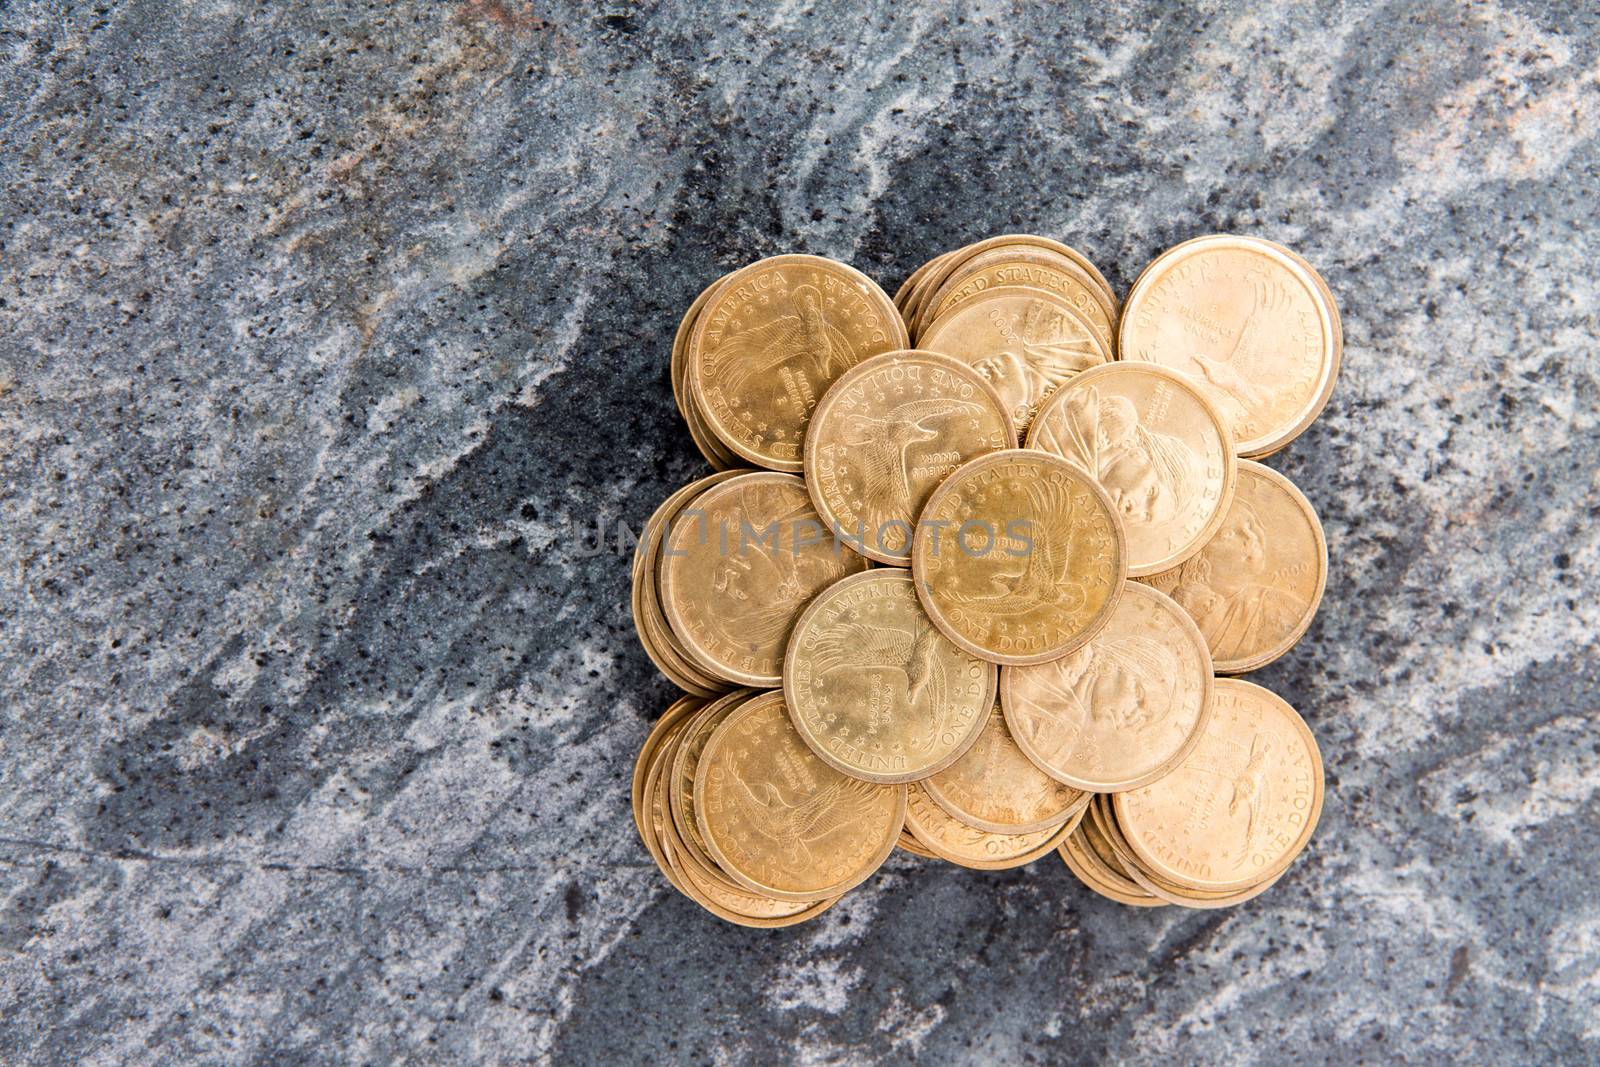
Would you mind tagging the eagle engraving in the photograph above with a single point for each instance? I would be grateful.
(1229, 373)
(1042, 577)
(763, 585)
(796, 827)
(915, 655)
(1247, 777)
(885, 440)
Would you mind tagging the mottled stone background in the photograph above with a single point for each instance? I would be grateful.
(321, 323)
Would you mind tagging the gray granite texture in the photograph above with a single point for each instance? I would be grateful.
(323, 326)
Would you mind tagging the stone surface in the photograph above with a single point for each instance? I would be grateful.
(323, 328)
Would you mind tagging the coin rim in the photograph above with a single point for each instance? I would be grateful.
(677, 372)
(907, 287)
(1021, 859)
(646, 591)
(1328, 318)
(722, 706)
(690, 879)
(1119, 540)
(966, 252)
(1092, 878)
(940, 304)
(677, 711)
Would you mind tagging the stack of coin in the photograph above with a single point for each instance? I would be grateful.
(907, 629)
(1219, 828)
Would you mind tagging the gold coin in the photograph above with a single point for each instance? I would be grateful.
(781, 822)
(737, 567)
(1248, 320)
(1099, 852)
(1256, 584)
(675, 715)
(967, 846)
(1019, 557)
(1240, 806)
(886, 433)
(1123, 709)
(660, 644)
(648, 815)
(1036, 268)
(1149, 882)
(875, 689)
(1026, 341)
(648, 641)
(715, 894)
(995, 786)
(1189, 899)
(680, 773)
(770, 341)
(748, 909)
(954, 261)
(1156, 445)
(712, 892)
(704, 440)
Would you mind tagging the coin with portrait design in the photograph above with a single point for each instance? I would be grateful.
(1256, 584)
(1156, 445)
(1125, 707)
(996, 787)
(738, 564)
(1025, 341)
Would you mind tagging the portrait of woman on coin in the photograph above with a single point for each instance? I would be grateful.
(1223, 588)
(1149, 474)
(1107, 688)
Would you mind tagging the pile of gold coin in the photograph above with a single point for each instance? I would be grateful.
(896, 627)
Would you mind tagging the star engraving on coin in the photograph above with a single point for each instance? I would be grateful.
(772, 339)
(886, 433)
